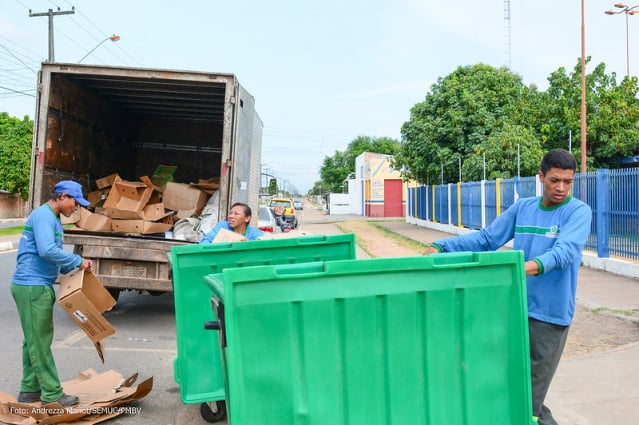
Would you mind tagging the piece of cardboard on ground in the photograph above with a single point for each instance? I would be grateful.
(84, 298)
(185, 199)
(100, 394)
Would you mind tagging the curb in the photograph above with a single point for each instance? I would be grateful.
(8, 246)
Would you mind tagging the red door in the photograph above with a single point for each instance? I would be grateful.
(393, 198)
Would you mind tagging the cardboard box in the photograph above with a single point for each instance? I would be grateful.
(185, 199)
(106, 181)
(142, 226)
(84, 298)
(151, 212)
(97, 197)
(74, 218)
(93, 222)
(127, 195)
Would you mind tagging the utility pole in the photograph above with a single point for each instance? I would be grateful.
(51, 14)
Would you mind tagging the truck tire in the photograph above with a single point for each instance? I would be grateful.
(209, 415)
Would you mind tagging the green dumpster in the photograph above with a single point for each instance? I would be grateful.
(197, 367)
(441, 339)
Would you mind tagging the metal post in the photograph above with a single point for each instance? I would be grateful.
(583, 87)
(50, 13)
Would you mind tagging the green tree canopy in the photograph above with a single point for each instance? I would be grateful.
(337, 168)
(457, 118)
(15, 154)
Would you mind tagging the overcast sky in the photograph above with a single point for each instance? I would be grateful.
(322, 73)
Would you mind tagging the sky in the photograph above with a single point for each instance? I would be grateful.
(322, 73)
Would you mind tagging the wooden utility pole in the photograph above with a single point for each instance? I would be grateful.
(50, 13)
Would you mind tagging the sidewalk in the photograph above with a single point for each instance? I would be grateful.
(596, 389)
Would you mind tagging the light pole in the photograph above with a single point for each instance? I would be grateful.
(113, 38)
(627, 11)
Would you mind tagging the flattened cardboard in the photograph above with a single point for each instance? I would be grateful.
(93, 222)
(97, 197)
(84, 298)
(185, 199)
(100, 395)
(106, 181)
(127, 195)
(228, 236)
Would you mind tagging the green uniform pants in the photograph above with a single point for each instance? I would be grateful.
(35, 308)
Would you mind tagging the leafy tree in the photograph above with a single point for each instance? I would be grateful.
(612, 114)
(337, 168)
(460, 113)
(15, 154)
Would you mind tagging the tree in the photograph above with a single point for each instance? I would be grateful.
(341, 165)
(15, 154)
(457, 118)
(612, 120)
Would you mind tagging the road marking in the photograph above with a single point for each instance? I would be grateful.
(122, 349)
(71, 339)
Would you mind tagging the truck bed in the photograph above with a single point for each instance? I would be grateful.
(126, 261)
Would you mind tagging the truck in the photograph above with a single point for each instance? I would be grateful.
(93, 121)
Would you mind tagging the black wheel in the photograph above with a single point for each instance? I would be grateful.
(209, 415)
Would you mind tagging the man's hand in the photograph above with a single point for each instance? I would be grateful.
(431, 250)
(87, 265)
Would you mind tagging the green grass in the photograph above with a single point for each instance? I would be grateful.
(614, 311)
(403, 240)
(8, 231)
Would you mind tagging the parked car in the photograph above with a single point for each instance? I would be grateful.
(298, 204)
(266, 221)
(287, 210)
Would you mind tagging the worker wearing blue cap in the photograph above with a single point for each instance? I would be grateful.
(40, 260)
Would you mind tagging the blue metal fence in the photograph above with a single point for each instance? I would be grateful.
(613, 196)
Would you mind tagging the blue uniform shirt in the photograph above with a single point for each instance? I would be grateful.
(40, 254)
(553, 237)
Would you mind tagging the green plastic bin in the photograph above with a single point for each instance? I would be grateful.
(197, 367)
(438, 340)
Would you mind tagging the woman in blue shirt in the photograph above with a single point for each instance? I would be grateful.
(238, 222)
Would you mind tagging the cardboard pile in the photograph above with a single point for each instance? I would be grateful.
(102, 396)
(147, 206)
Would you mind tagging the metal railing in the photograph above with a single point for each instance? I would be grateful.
(613, 196)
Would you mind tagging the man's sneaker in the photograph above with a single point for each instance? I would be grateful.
(64, 401)
(28, 396)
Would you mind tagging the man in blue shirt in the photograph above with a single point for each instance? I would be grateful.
(238, 221)
(551, 230)
(40, 259)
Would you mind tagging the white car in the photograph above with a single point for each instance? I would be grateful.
(298, 204)
(266, 220)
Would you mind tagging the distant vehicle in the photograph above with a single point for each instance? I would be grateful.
(285, 209)
(266, 221)
(298, 204)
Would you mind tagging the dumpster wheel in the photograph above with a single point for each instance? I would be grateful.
(206, 410)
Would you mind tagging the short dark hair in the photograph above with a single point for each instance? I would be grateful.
(558, 158)
(247, 209)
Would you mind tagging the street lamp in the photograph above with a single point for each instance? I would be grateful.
(113, 38)
(627, 11)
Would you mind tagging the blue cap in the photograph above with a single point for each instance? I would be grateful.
(73, 189)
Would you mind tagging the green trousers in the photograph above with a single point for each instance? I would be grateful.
(39, 372)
